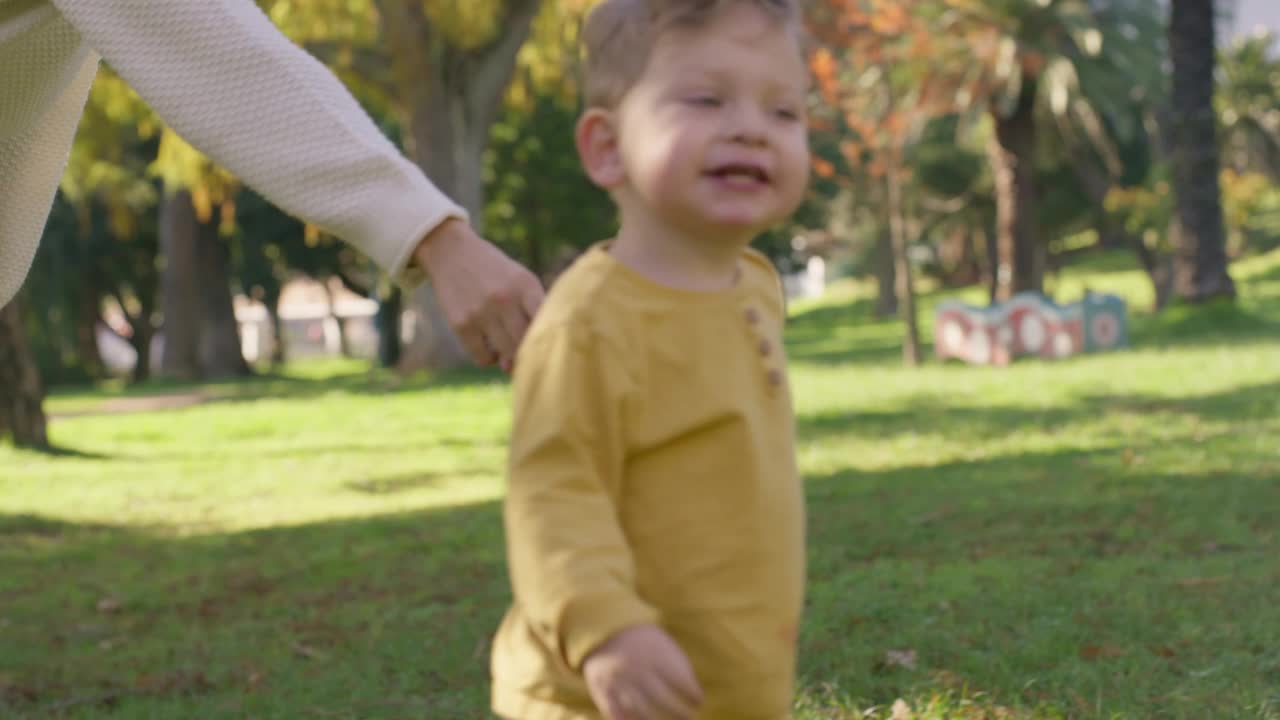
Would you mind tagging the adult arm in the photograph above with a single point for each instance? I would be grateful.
(225, 78)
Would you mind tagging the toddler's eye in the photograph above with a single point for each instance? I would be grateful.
(788, 114)
(704, 100)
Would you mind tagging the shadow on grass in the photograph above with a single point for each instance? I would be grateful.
(270, 385)
(408, 482)
(1261, 401)
(938, 415)
(68, 453)
(1007, 574)
(385, 617)
(1031, 576)
(927, 414)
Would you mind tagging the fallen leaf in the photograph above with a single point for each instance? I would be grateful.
(1165, 651)
(935, 516)
(307, 652)
(901, 710)
(109, 605)
(1095, 652)
(1201, 581)
(901, 658)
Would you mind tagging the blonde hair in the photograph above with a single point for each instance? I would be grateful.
(619, 36)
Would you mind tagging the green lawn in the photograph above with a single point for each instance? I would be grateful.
(1095, 538)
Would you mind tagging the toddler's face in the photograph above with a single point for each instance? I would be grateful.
(713, 138)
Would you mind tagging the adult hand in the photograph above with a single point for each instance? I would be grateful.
(487, 298)
(642, 674)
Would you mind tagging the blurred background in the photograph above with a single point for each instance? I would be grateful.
(244, 475)
(1004, 140)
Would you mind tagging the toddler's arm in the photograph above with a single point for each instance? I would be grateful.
(571, 568)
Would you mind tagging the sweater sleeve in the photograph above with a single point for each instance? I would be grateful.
(571, 567)
(30, 165)
(224, 77)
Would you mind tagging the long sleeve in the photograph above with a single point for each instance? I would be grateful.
(227, 80)
(571, 568)
(31, 163)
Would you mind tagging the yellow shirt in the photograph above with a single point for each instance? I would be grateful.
(652, 478)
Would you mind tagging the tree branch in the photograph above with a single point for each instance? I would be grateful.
(370, 64)
(490, 68)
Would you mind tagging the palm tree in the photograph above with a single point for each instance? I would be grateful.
(1200, 270)
(1046, 71)
(1248, 105)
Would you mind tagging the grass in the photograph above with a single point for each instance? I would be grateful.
(1095, 538)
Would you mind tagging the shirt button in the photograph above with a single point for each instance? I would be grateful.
(753, 316)
(765, 347)
(775, 377)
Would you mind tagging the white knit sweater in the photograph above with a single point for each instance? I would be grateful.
(221, 75)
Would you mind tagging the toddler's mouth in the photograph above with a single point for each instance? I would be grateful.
(740, 172)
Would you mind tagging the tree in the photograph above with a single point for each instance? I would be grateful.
(1200, 270)
(21, 389)
(1248, 105)
(871, 84)
(443, 68)
(1021, 62)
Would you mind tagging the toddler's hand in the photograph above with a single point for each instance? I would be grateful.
(641, 674)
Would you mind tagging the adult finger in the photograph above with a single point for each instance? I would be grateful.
(473, 340)
(531, 296)
(514, 323)
(619, 705)
(684, 683)
(499, 336)
(672, 704)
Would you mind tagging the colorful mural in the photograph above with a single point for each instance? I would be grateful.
(1032, 325)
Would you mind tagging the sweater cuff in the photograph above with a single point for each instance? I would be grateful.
(591, 620)
(397, 225)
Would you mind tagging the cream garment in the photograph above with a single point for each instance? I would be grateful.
(222, 75)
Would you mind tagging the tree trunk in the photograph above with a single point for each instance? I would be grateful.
(958, 255)
(178, 229)
(279, 350)
(1097, 185)
(339, 326)
(1200, 269)
(451, 97)
(389, 328)
(221, 354)
(1021, 251)
(911, 354)
(143, 333)
(991, 266)
(88, 313)
(21, 389)
(886, 284)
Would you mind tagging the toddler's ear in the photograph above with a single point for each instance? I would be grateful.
(597, 140)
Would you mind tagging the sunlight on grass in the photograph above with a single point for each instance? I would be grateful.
(1092, 538)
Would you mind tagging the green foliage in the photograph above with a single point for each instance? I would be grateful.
(1248, 104)
(540, 204)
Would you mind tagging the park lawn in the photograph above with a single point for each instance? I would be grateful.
(1095, 538)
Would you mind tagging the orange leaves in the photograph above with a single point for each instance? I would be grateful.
(823, 65)
(823, 169)
(889, 17)
(922, 43)
(894, 123)
(878, 73)
(824, 69)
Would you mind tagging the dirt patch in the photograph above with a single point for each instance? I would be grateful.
(125, 406)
